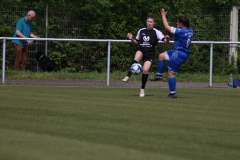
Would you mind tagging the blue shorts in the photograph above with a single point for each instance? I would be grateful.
(176, 59)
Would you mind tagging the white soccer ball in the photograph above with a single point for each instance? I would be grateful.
(136, 68)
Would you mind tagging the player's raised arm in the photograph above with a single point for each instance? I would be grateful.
(164, 20)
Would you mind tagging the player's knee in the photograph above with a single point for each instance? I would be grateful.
(145, 70)
(171, 73)
(161, 56)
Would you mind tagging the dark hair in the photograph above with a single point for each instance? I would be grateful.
(184, 20)
(150, 15)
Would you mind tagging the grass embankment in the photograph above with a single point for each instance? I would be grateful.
(114, 76)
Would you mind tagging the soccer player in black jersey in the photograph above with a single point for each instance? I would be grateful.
(146, 40)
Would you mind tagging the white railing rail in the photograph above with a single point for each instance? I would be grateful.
(211, 43)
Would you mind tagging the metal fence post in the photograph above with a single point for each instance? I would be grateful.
(108, 63)
(3, 61)
(36, 50)
(211, 64)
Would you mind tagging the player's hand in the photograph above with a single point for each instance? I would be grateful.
(129, 36)
(163, 12)
(167, 39)
(29, 42)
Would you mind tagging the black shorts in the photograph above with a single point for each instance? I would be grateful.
(148, 56)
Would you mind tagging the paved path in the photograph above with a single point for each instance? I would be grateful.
(84, 82)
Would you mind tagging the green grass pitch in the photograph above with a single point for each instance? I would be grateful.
(106, 123)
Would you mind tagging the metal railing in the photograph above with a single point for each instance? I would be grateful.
(109, 41)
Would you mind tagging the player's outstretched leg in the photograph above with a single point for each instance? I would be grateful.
(172, 87)
(158, 76)
(125, 79)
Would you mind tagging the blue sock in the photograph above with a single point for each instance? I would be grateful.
(172, 84)
(161, 65)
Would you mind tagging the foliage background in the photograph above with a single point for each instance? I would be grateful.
(109, 19)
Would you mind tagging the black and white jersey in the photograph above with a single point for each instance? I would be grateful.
(147, 39)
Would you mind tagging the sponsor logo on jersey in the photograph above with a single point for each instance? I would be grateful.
(146, 38)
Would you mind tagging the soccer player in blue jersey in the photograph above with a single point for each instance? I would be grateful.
(183, 35)
(146, 40)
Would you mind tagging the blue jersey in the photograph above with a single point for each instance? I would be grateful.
(182, 39)
(25, 28)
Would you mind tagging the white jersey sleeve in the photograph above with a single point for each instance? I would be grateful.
(160, 35)
(138, 34)
(173, 30)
